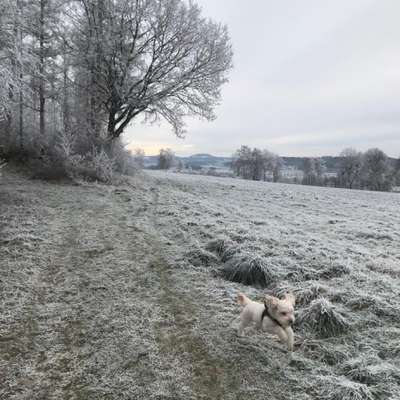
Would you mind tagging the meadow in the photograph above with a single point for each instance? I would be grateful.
(130, 290)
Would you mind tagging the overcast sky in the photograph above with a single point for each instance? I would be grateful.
(310, 78)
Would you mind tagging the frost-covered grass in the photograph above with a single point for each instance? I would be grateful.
(334, 249)
(130, 291)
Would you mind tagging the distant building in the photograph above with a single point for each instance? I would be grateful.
(291, 173)
(330, 175)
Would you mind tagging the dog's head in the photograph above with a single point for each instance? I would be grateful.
(281, 309)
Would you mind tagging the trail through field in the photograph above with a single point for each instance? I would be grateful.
(102, 296)
(90, 308)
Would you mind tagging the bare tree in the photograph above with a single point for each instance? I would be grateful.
(277, 168)
(18, 34)
(255, 164)
(314, 170)
(272, 163)
(29, 45)
(41, 53)
(320, 169)
(9, 83)
(376, 170)
(156, 58)
(350, 168)
(138, 157)
(242, 162)
(166, 159)
(48, 32)
(310, 173)
(397, 172)
(13, 62)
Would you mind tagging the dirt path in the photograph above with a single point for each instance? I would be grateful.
(90, 306)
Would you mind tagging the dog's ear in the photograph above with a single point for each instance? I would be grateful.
(290, 297)
(271, 301)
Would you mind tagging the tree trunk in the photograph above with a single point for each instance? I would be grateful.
(111, 125)
(21, 117)
(42, 99)
(21, 98)
(65, 108)
(98, 37)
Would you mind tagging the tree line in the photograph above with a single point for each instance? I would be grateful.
(74, 74)
(256, 164)
(372, 170)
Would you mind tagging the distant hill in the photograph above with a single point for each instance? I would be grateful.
(202, 160)
(194, 161)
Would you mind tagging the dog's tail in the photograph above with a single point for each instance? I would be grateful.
(243, 299)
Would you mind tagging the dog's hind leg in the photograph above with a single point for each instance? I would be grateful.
(245, 320)
(240, 331)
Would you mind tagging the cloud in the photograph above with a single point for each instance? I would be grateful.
(310, 78)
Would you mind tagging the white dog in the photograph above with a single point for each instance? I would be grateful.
(274, 316)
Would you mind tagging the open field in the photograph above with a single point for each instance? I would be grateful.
(119, 292)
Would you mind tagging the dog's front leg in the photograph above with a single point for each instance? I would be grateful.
(290, 338)
(281, 334)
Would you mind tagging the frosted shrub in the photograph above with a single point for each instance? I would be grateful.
(124, 162)
(244, 268)
(370, 370)
(103, 165)
(304, 293)
(199, 257)
(218, 245)
(341, 389)
(359, 303)
(330, 353)
(229, 253)
(65, 145)
(224, 248)
(73, 155)
(323, 318)
(49, 167)
(248, 270)
(334, 270)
